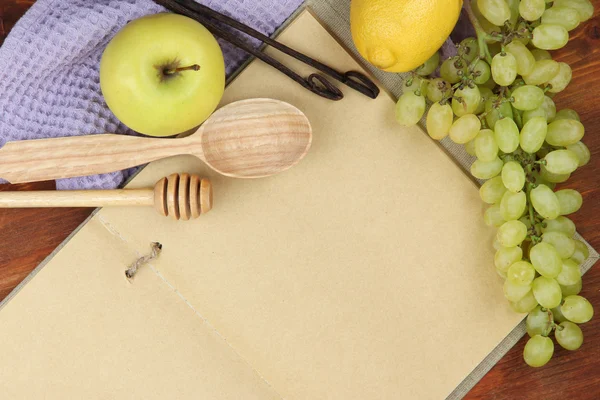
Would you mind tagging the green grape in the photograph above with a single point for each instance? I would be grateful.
(545, 202)
(569, 274)
(564, 245)
(550, 108)
(493, 216)
(545, 259)
(539, 322)
(550, 37)
(482, 72)
(513, 205)
(495, 11)
(487, 26)
(450, 68)
(560, 224)
(506, 133)
(542, 72)
(521, 273)
(540, 54)
(525, 60)
(551, 177)
(439, 120)
(513, 176)
(582, 152)
(496, 244)
(492, 190)
(567, 113)
(410, 109)
(562, 79)
(511, 233)
(571, 289)
(527, 97)
(416, 84)
(567, 17)
(514, 292)
(538, 351)
(490, 84)
(564, 132)
(470, 99)
(486, 169)
(437, 89)
(546, 291)
(469, 49)
(561, 161)
(504, 110)
(581, 252)
(558, 315)
(525, 219)
(465, 129)
(533, 134)
(430, 65)
(570, 201)
(538, 112)
(513, 5)
(525, 305)
(531, 10)
(569, 335)
(546, 110)
(485, 94)
(583, 7)
(577, 309)
(504, 69)
(507, 256)
(522, 27)
(486, 148)
(470, 146)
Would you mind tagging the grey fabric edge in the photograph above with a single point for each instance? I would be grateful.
(337, 20)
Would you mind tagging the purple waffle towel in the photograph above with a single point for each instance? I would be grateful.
(49, 78)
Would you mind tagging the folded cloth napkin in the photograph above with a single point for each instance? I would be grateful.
(49, 67)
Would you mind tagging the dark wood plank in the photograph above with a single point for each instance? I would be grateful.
(28, 236)
(10, 12)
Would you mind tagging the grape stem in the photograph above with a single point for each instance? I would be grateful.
(482, 36)
(550, 324)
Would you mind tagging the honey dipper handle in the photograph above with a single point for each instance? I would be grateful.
(77, 198)
(46, 159)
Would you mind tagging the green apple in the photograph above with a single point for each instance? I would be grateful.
(162, 74)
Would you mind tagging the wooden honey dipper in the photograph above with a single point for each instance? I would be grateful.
(180, 196)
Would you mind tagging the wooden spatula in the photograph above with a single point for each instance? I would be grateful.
(246, 139)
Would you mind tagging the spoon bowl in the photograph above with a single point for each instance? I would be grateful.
(254, 138)
(246, 139)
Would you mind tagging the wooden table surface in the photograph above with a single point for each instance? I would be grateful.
(28, 236)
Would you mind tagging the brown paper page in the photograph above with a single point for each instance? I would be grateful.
(80, 330)
(365, 272)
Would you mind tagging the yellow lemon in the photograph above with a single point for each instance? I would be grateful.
(400, 35)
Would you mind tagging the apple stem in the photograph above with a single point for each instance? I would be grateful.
(171, 71)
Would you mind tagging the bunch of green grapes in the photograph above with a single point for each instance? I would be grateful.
(495, 97)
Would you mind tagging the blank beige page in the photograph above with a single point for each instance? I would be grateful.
(365, 272)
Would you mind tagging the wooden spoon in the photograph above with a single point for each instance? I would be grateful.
(246, 139)
(179, 196)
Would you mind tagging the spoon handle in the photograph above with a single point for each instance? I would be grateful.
(46, 159)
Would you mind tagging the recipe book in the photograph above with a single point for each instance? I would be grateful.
(364, 272)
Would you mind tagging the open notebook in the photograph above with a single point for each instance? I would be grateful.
(365, 272)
